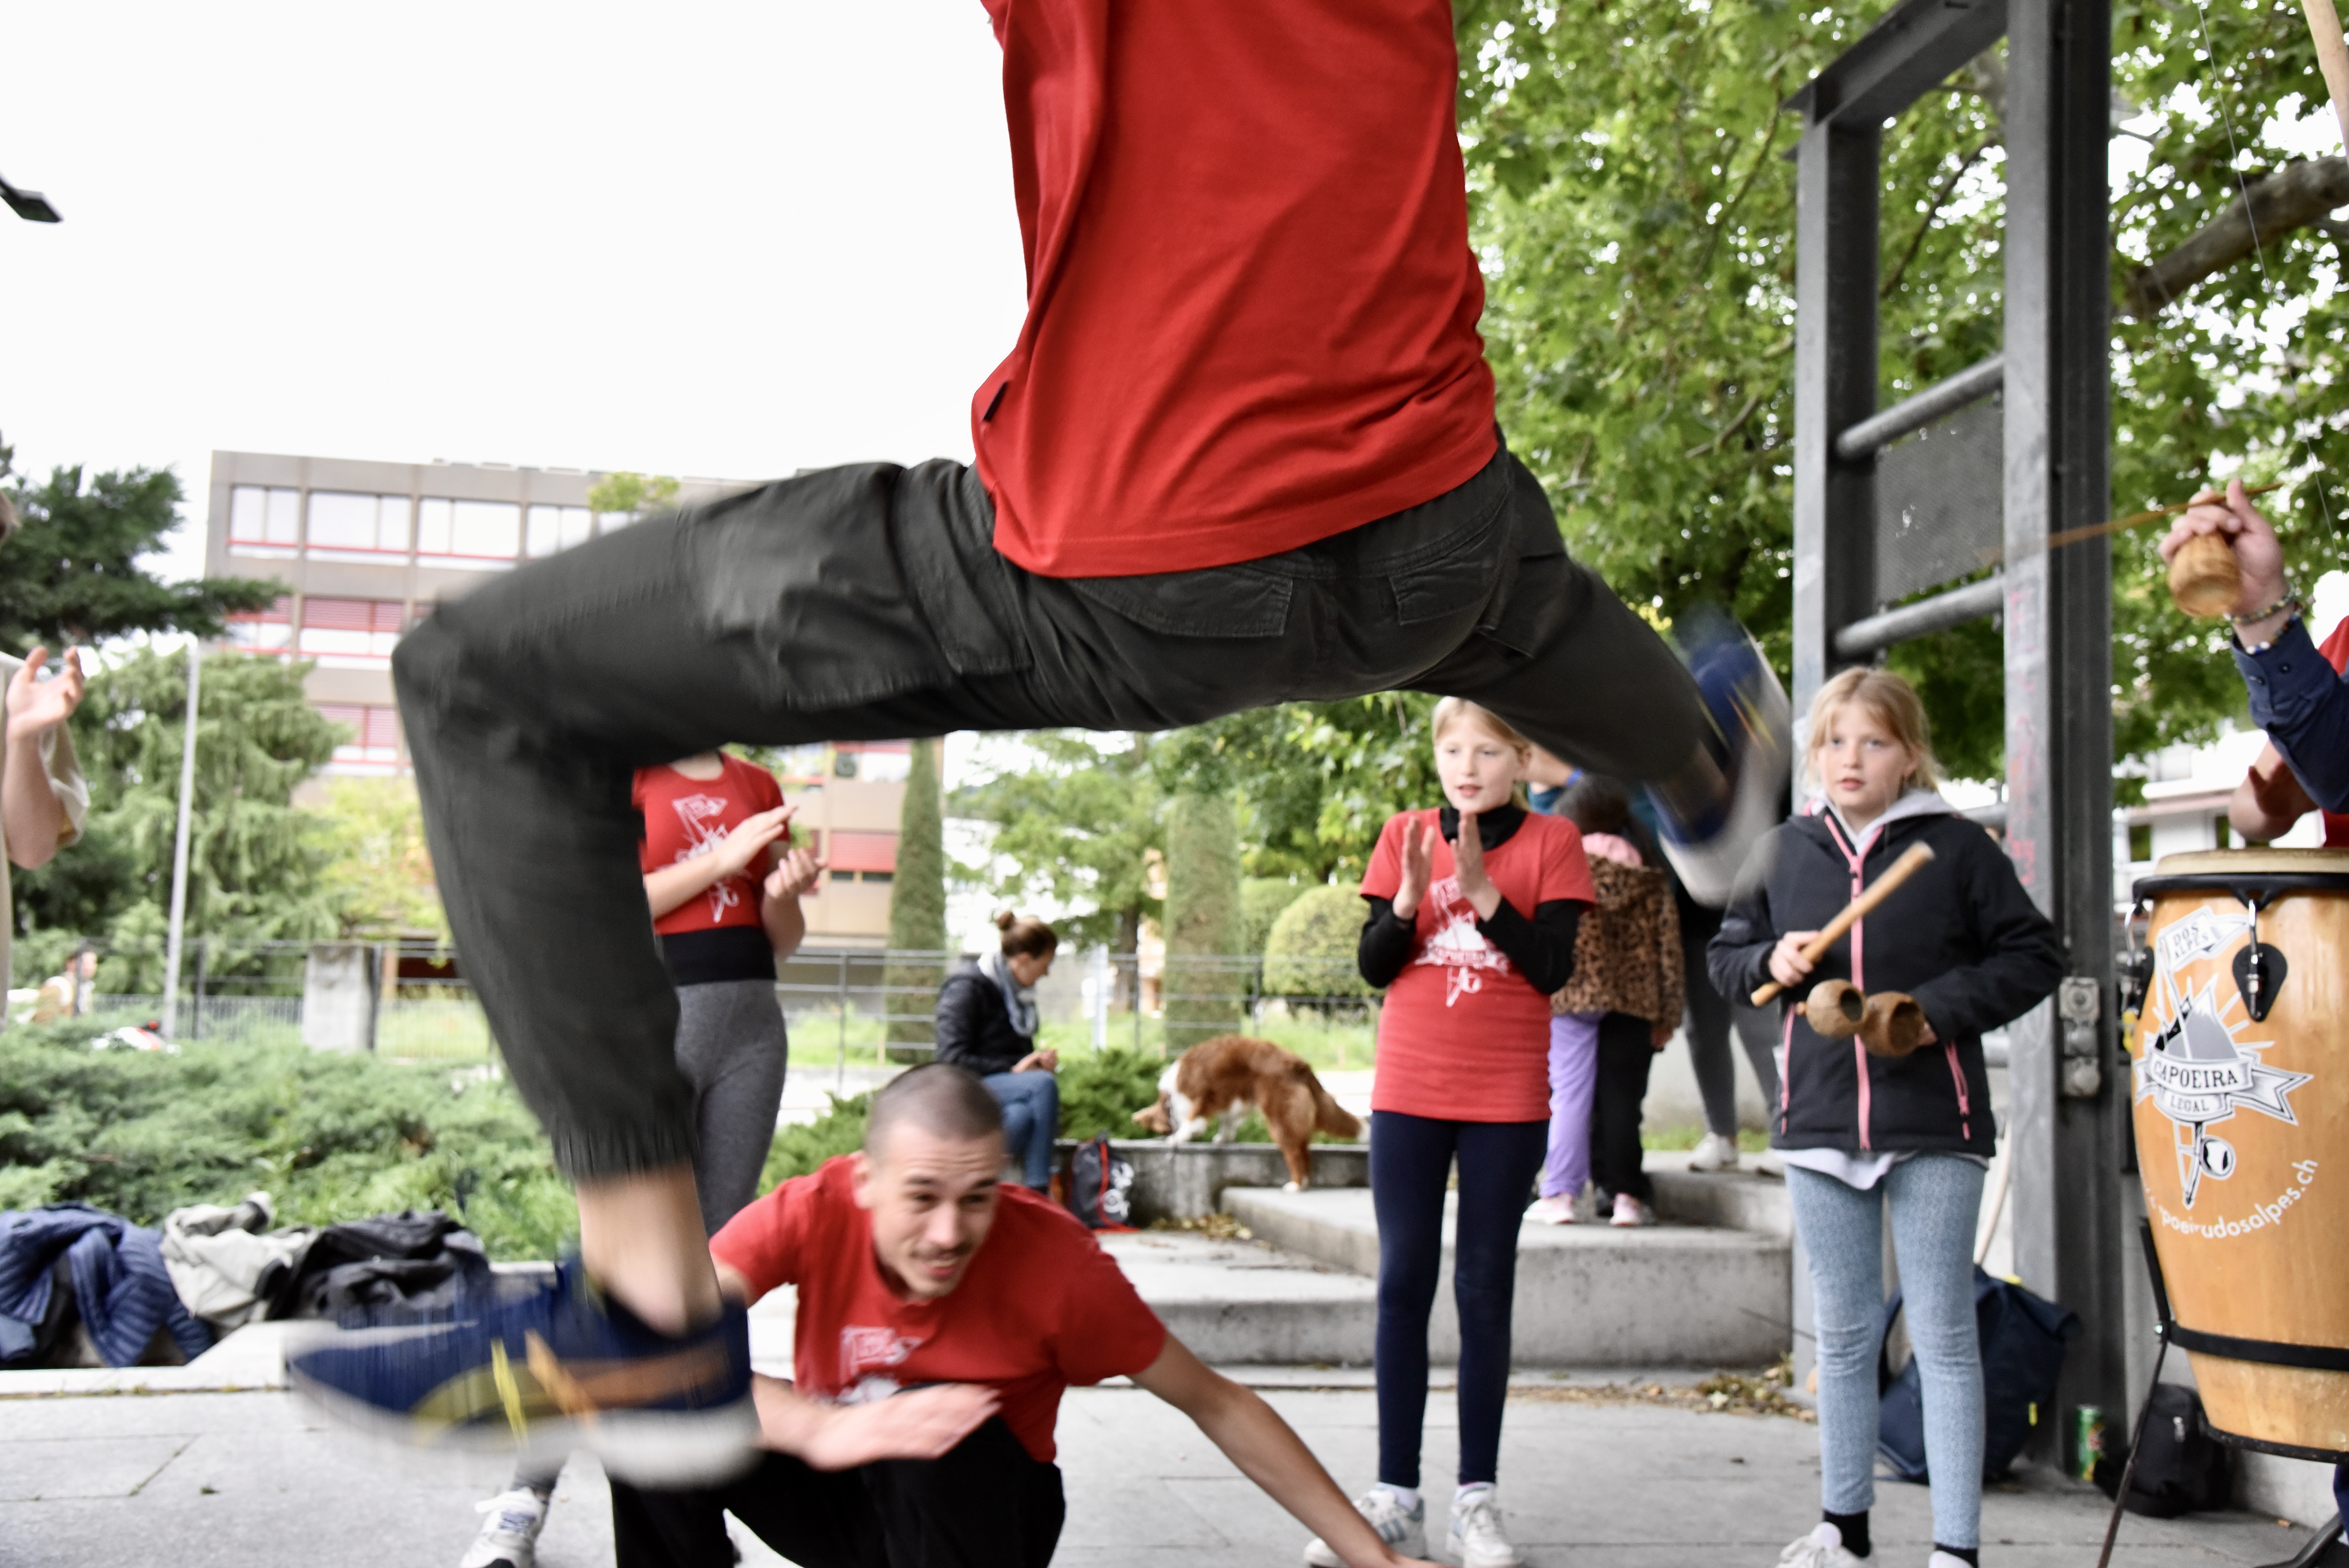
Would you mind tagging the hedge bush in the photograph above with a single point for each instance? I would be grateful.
(1311, 950)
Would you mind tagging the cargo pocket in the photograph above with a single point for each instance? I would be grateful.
(1215, 602)
(1459, 580)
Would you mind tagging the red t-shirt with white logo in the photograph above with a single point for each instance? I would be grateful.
(1462, 1035)
(1039, 1308)
(685, 818)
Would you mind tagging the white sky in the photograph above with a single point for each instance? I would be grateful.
(704, 239)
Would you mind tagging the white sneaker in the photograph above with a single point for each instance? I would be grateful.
(1477, 1538)
(1822, 1548)
(1714, 1152)
(1768, 1163)
(509, 1537)
(1551, 1212)
(1404, 1529)
(1629, 1210)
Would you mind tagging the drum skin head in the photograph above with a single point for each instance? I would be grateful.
(2207, 862)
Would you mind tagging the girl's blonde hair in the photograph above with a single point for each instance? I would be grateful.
(1890, 700)
(1454, 710)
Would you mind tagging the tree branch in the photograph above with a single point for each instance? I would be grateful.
(1707, 448)
(2294, 197)
(1925, 225)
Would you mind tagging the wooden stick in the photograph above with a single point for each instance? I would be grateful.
(1900, 872)
(2332, 56)
(2134, 520)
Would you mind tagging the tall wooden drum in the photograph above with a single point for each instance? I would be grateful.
(2240, 1073)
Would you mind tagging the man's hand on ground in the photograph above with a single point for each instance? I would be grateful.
(924, 1424)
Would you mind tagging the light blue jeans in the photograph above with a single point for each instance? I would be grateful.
(1031, 1120)
(1935, 1199)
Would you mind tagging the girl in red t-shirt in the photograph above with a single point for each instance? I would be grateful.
(1472, 922)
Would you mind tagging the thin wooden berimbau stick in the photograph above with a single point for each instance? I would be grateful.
(1900, 872)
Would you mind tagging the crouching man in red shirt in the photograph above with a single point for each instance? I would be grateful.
(940, 1315)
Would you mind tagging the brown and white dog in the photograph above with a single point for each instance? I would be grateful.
(1224, 1076)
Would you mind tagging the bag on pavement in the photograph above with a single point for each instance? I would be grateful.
(2023, 1338)
(2181, 1467)
(1099, 1182)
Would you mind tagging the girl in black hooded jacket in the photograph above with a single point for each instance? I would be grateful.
(1862, 1134)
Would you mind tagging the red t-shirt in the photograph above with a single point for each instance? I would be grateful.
(1041, 1306)
(687, 817)
(1463, 1036)
(1251, 304)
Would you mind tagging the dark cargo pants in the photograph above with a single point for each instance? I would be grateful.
(868, 603)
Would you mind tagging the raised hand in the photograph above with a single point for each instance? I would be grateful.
(1468, 864)
(36, 706)
(797, 871)
(2258, 552)
(746, 844)
(1418, 869)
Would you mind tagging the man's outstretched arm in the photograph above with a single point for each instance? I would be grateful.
(1255, 1438)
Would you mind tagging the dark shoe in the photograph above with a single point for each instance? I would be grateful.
(560, 1370)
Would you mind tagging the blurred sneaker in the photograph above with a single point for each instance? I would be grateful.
(1714, 1152)
(1629, 1210)
(1404, 1529)
(560, 1369)
(1768, 1163)
(1822, 1548)
(1551, 1212)
(1476, 1539)
(1709, 841)
(509, 1537)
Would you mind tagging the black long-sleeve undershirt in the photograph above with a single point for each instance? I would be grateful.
(1542, 947)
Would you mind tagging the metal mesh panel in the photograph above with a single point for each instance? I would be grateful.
(1940, 504)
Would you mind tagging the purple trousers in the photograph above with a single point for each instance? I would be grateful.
(1573, 1079)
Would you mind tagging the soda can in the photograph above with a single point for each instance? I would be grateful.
(2088, 1440)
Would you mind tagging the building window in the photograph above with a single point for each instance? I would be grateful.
(871, 852)
(874, 761)
(358, 526)
(264, 521)
(373, 742)
(269, 631)
(554, 528)
(342, 633)
(466, 535)
(877, 876)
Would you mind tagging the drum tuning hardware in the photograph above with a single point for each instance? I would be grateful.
(2260, 969)
(2078, 1002)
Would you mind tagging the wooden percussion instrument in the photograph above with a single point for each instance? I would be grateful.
(2240, 1075)
(2204, 578)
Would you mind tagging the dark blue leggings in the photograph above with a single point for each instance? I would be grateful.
(1411, 1161)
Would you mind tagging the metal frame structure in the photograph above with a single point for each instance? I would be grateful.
(2067, 1136)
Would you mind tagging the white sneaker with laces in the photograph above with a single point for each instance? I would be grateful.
(1714, 1152)
(1943, 1560)
(1768, 1163)
(1629, 1210)
(509, 1537)
(1477, 1538)
(1404, 1529)
(1551, 1212)
(1822, 1548)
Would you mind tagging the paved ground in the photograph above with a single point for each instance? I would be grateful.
(253, 1480)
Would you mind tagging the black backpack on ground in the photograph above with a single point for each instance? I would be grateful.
(2023, 1338)
(2181, 1467)
(1098, 1184)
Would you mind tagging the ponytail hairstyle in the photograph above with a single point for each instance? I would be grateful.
(1025, 937)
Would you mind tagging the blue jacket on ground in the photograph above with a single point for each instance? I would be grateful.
(120, 1283)
(2304, 709)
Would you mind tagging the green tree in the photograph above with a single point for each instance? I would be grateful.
(1310, 952)
(1635, 213)
(1075, 826)
(379, 871)
(917, 901)
(1262, 900)
(1204, 980)
(632, 493)
(71, 574)
(255, 863)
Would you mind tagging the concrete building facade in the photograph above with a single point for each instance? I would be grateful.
(365, 550)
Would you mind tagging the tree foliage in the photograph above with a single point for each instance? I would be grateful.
(378, 869)
(1636, 216)
(917, 897)
(632, 493)
(1204, 930)
(1311, 950)
(1076, 827)
(255, 863)
(71, 573)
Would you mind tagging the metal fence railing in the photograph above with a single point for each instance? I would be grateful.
(867, 1004)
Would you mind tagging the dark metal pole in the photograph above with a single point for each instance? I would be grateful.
(2067, 1129)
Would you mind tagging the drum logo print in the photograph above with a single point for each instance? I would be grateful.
(2198, 1074)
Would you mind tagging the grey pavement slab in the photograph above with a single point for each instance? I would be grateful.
(255, 1480)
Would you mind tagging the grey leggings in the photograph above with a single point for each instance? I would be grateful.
(1711, 1016)
(1935, 1201)
(732, 1049)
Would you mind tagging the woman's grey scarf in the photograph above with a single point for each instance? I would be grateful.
(1018, 1000)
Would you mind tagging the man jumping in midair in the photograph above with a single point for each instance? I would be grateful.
(1242, 452)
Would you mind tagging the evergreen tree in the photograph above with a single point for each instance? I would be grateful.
(917, 901)
(255, 862)
(71, 574)
(1206, 977)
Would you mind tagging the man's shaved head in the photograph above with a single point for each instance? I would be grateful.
(937, 1097)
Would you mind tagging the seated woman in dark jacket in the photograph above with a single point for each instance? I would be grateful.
(986, 1024)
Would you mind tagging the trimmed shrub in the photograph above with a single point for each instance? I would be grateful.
(917, 906)
(1100, 1090)
(1310, 951)
(1262, 899)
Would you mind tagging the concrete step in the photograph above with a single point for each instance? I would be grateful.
(1587, 1295)
(1742, 1200)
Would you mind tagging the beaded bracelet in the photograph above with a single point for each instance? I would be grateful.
(2287, 600)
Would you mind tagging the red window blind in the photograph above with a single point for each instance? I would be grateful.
(863, 851)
